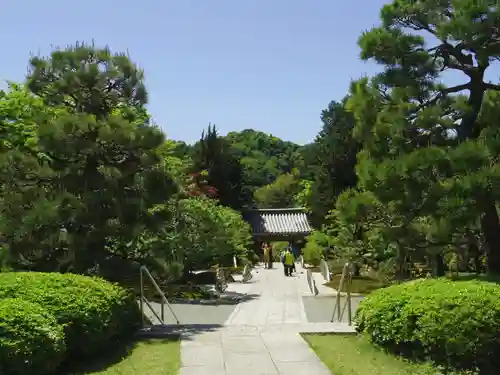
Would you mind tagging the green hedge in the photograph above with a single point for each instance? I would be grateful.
(92, 311)
(31, 340)
(454, 323)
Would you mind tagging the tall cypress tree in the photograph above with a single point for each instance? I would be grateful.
(334, 152)
(214, 155)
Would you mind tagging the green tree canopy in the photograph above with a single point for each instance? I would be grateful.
(280, 194)
(428, 158)
(333, 155)
(100, 170)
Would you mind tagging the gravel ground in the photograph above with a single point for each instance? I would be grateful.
(320, 309)
(193, 314)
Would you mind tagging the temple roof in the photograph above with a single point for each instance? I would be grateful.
(278, 221)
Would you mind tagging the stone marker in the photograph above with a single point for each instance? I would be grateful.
(310, 281)
(325, 270)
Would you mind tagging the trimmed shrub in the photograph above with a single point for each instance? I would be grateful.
(31, 340)
(453, 323)
(313, 254)
(317, 247)
(93, 311)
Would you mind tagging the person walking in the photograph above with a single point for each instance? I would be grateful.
(288, 262)
(270, 246)
(292, 249)
(282, 259)
(265, 247)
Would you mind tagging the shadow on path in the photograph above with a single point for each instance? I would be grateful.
(211, 312)
(187, 331)
(228, 298)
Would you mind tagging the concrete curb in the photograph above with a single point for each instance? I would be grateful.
(207, 302)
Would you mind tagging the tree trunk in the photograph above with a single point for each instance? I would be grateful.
(186, 274)
(356, 270)
(490, 225)
(438, 269)
(477, 263)
(463, 261)
(473, 252)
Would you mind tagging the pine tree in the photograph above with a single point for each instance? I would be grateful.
(418, 136)
(100, 172)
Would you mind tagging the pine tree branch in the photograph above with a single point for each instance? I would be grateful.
(445, 49)
(491, 86)
(443, 93)
(453, 89)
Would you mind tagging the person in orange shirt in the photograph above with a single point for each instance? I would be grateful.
(266, 249)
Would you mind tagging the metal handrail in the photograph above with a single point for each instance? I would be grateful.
(164, 301)
(345, 281)
(152, 310)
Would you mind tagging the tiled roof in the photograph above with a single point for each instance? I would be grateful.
(280, 221)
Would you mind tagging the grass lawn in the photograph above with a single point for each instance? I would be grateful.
(466, 276)
(145, 357)
(360, 284)
(366, 285)
(354, 355)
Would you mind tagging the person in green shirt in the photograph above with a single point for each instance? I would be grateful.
(288, 262)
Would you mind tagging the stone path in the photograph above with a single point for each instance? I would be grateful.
(261, 336)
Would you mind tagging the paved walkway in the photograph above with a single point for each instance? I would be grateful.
(261, 336)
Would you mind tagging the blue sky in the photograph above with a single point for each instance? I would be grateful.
(268, 65)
